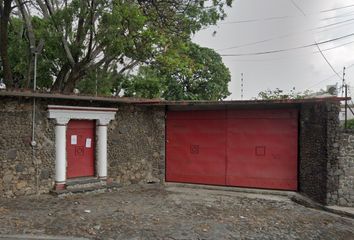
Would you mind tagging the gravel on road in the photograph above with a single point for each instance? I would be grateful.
(158, 212)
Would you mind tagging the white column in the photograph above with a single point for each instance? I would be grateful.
(60, 153)
(102, 151)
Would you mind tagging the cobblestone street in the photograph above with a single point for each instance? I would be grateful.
(155, 212)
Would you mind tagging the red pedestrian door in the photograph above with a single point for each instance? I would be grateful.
(244, 148)
(80, 144)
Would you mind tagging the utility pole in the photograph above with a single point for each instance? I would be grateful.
(346, 106)
(343, 81)
(36, 52)
(241, 86)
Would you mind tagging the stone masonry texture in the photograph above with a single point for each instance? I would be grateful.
(312, 153)
(22, 170)
(136, 141)
(135, 145)
(136, 148)
(318, 133)
(342, 172)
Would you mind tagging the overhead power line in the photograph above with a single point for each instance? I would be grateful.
(324, 57)
(341, 45)
(290, 34)
(289, 16)
(326, 79)
(348, 14)
(280, 58)
(333, 24)
(318, 47)
(298, 7)
(258, 20)
(286, 49)
(338, 8)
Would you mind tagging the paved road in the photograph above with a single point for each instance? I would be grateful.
(36, 237)
(154, 212)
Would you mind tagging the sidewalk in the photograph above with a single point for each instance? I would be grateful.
(348, 211)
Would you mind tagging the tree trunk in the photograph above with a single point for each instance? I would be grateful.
(75, 75)
(57, 86)
(30, 70)
(71, 82)
(32, 40)
(69, 86)
(4, 22)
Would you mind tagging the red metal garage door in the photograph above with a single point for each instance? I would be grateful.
(196, 147)
(80, 136)
(247, 148)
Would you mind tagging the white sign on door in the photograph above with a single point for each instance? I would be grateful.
(88, 142)
(73, 139)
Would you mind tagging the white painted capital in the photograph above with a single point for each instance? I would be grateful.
(63, 114)
(104, 121)
(61, 121)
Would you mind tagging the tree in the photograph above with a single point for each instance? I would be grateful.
(5, 11)
(20, 55)
(279, 94)
(185, 71)
(148, 83)
(31, 40)
(108, 37)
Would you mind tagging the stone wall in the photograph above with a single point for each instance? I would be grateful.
(21, 171)
(341, 174)
(318, 134)
(136, 149)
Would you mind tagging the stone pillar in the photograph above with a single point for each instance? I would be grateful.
(60, 153)
(101, 166)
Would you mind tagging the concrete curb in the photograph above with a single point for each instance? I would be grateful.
(307, 202)
(231, 189)
(293, 196)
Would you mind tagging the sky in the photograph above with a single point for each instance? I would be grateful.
(253, 28)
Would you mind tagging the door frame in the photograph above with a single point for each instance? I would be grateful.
(62, 115)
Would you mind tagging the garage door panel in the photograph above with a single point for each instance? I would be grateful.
(184, 161)
(262, 114)
(195, 115)
(196, 148)
(262, 152)
(265, 183)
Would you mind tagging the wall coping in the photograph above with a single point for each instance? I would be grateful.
(161, 102)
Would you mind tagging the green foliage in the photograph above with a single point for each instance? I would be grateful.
(187, 72)
(97, 82)
(146, 84)
(108, 39)
(350, 124)
(279, 94)
(18, 52)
